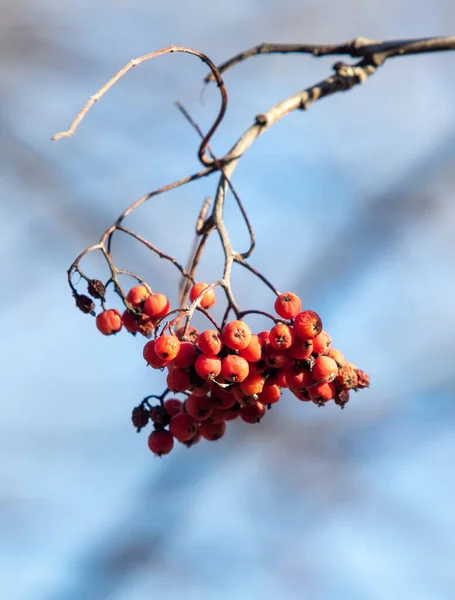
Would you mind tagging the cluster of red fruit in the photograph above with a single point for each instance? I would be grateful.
(230, 372)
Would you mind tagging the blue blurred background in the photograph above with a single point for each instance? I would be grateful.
(352, 203)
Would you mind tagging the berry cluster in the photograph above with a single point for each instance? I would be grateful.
(228, 372)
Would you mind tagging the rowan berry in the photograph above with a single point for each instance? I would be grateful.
(212, 431)
(209, 342)
(85, 304)
(137, 295)
(253, 352)
(253, 384)
(159, 415)
(363, 379)
(156, 306)
(341, 398)
(193, 441)
(307, 325)
(322, 392)
(301, 349)
(208, 299)
(109, 321)
(186, 356)
(96, 289)
(234, 368)
(167, 347)
(252, 413)
(140, 417)
(324, 369)
(217, 415)
(178, 380)
(199, 407)
(277, 377)
(302, 395)
(232, 413)
(346, 378)
(191, 334)
(322, 343)
(264, 336)
(298, 377)
(207, 367)
(161, 442)
(236, 335)
(276, 358)
(141, 323)
(173, 406)
(152, 357)
(183, 427)
(288, 305)
(270, 394)
(281, 337)
(200, 386)
(337, 356)
(221, 398)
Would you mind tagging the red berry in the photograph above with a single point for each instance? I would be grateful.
(253, 384)
(322, 392)
(207, 300)
(173, 406)
(152, 357)
(337, 357)
(277, 377)
(160, 442)
(186, 356)
(264, 336)
(221, 398)
(167, 347)
(252, 413)
(301, 349)
(298, 378)
(212, 431)
(198, 407)
(253, 352)
(288, 305)
(137, 295)
(276, 358)
(236, 335)
(322, 343)
(324, 369)
(156, 306)
(281, 337)
(183, 427)
(269, 395)
(234, 368)
(209, 342)
(178, 380)
(109, 321)
(207, 367)
(307, 325)
(191, 333)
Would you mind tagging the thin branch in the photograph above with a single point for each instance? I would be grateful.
(137, 61)
(359, 47)
(246, 219)
(156, 250)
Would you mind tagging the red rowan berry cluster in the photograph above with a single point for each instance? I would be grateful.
(225, 372)
(228, 373)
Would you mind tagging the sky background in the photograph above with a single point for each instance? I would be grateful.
(352, 205)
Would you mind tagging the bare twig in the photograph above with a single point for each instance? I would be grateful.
(137, 61)
(360, 47)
